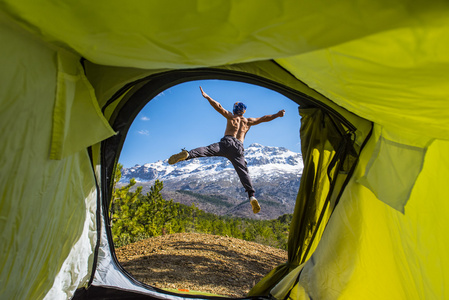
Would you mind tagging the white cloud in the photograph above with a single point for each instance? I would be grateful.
(144, 118)
(143, 132)
(160, 94)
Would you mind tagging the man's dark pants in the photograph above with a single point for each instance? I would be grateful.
(232, 149)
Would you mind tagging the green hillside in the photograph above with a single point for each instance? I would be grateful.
(135, 216)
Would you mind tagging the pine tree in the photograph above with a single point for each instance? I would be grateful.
(122, 200)
(134, 216)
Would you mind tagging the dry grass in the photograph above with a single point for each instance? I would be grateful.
(200, 262)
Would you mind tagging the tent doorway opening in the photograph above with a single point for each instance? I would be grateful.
(328, 150)
(200, 208)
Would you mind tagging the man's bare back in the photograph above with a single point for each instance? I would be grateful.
(237, 125)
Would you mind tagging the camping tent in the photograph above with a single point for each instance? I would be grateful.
(370, 78)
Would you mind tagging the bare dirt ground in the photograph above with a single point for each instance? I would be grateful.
(200, 262)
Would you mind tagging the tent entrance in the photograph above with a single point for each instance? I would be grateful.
(329, 153)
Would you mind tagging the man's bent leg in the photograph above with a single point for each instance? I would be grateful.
(211, 150)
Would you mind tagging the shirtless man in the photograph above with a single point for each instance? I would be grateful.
(231, 145)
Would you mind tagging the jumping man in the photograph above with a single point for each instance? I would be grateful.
(231, 145)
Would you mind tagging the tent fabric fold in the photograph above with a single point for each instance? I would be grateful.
(75, 106)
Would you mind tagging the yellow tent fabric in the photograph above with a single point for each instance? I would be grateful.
(383, 61)
(209, 33)
(329, 155)
(46, 205)
(370, 250)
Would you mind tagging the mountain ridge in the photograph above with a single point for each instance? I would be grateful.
(275, 173)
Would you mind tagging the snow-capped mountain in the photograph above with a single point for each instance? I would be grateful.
(275, 173)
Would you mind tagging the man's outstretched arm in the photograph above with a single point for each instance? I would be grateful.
(217, 106)
(267, 118)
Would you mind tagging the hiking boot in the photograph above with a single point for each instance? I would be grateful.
(178, 157)
(254, 204)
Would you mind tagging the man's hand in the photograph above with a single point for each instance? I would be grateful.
(281, 113)
(204, 94)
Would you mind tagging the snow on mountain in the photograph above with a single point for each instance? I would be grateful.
(263, 161)
(275, 173)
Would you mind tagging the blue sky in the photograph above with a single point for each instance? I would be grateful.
(180, 118)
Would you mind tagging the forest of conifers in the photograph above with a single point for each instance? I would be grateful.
(135, 216)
